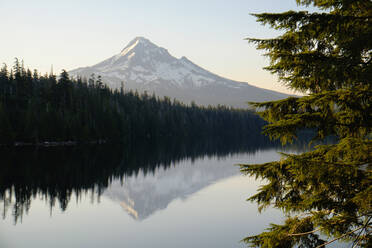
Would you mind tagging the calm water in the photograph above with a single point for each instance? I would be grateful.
(131, 197)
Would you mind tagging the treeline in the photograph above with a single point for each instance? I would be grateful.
(36, 108)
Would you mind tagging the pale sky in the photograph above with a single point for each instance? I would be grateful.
(71, 33)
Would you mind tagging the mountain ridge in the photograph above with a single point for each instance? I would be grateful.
(144, 66)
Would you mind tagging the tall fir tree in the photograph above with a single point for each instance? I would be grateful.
(327, 191)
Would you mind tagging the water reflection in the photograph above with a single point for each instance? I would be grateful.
(141, 195)
(144, 177)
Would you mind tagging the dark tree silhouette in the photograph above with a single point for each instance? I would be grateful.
(36, 109)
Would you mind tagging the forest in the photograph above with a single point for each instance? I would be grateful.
(36, 109)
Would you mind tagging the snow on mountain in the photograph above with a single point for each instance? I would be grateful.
(143, 66)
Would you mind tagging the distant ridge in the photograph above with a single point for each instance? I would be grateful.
(144, 66)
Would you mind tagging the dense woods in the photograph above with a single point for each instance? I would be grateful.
(36, 109)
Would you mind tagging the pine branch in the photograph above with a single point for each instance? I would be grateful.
(360, 240)
(305, 233)
(357, 238)
(340, 237)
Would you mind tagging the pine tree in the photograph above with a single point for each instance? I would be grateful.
(327, 55)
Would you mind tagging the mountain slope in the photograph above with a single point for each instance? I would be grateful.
(143, 66)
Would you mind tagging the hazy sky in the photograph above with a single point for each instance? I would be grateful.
(73, 33)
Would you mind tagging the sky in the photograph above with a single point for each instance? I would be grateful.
(71, 33)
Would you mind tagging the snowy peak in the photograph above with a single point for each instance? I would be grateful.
(144, 66)
(142, 47)
(138, 43)
(129, 47)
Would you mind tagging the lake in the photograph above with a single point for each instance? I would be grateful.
(139, 196)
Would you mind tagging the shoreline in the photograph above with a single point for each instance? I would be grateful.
(53, 143)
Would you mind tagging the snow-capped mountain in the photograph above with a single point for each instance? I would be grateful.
(144, 66)
(142, 195)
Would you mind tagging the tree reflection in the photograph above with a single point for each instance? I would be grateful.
(56, 174)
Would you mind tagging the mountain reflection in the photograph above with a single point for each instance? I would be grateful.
(141, 195)
(143, 177)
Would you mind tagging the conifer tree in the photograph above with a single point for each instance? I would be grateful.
(327, 55)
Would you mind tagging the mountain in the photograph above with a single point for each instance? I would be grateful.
(142, 195)
(143, 66)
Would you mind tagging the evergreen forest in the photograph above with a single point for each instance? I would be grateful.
(36, 109)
